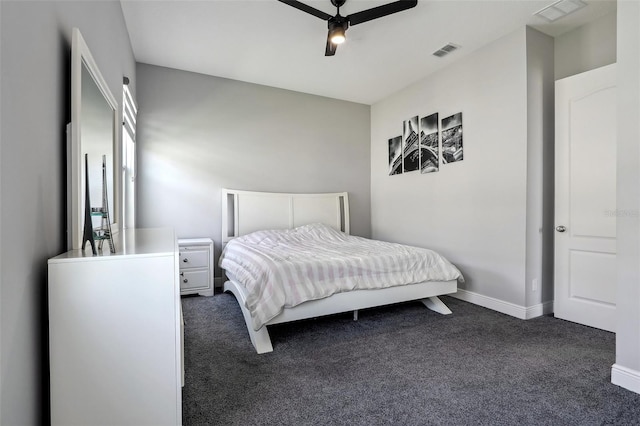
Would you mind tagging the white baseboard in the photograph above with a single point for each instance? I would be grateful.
(625, 377)
(539, 310)
(501, 306)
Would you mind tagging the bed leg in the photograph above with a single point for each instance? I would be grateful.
(260, 340)
(435, 304)
(355, 315)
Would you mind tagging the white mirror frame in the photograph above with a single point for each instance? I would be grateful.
(81, 55)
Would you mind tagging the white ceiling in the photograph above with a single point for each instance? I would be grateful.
(267, 42)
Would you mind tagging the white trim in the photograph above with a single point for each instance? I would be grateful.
(625, 377)
(508, 308)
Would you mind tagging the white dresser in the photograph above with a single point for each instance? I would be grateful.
(115, 336)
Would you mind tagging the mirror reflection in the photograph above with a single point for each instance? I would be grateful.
(96, 135)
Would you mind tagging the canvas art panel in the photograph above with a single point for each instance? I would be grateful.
(452, 139)
(410, 150)
(429, 148)
(395, 155)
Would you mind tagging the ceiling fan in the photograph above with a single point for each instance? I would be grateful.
(338, 24)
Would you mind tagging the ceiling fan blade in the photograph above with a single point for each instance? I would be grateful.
(380, 11)
(331, 48)
(305, 8)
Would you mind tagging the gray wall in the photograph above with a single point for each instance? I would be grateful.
(35, 107)
(198, 134)
(540, 167)
(590, 46)
(485, 212)
(628, 192)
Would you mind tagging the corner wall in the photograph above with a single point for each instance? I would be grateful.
(539, 289)
(198, 134)
(35, 107)
(626, 370)
(477, 212)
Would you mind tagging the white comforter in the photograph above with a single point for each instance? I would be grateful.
(283, 268)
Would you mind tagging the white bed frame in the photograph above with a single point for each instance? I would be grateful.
(246, 211)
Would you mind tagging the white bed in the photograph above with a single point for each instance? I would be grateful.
(245, 212)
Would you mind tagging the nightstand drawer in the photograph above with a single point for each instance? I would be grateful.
(194, 279)
(194, 258)
(196, 266)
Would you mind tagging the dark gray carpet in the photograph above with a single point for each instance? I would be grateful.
(402, 364)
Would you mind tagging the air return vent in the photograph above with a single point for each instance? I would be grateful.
(560, 9)
(445, 50)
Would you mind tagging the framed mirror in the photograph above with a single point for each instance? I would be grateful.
(93, 130)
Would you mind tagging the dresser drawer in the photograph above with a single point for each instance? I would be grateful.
(194, 258)
(194, 279)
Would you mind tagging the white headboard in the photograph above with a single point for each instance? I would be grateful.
(247, 211)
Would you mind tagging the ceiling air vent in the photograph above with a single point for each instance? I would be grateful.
(445, 50)
(560, 9)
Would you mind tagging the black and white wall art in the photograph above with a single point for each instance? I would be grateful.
(452, 139)
(429, 149)
(395, 155)
(426, 143)
(410, 151)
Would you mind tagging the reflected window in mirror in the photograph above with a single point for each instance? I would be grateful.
(129, 114)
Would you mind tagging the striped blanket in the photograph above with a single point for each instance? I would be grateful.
(283, 268)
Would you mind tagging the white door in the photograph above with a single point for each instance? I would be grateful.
(585, 198)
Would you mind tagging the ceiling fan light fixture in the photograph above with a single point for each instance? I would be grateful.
(337, 32)
(339, 24)
(337, 36)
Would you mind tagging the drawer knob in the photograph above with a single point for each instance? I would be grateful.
(185, 260)
(185, 280)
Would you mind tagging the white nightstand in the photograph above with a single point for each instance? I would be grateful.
(196, 266)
